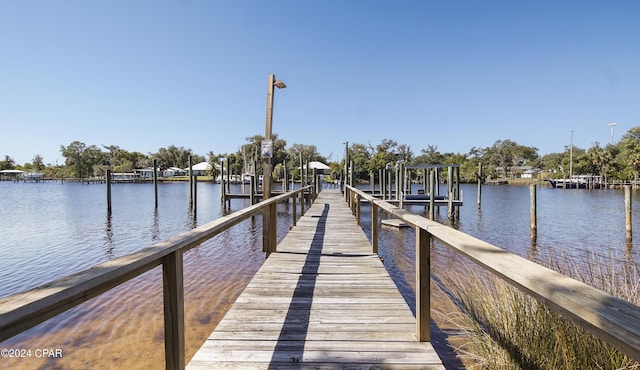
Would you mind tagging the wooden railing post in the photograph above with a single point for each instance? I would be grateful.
(423, 287)
(273, 223)
(173, 292)
(374, 227)
(358, 204)
(352, 202)
(295, 211)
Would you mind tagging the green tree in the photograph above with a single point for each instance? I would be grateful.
(38, 163)
(601, 158)
(507, 153)
(552, 162)
(8, 163)
(173, 156)
(429, 155)
(73, 157)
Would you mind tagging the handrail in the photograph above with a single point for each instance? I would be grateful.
(22, 311)
(611, 319)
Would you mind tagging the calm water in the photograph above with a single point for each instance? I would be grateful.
(49, 230)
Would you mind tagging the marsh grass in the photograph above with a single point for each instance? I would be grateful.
(507, 329)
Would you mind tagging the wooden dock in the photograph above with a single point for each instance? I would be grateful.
(323, 300)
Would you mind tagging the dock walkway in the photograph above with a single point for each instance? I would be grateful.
(323, 300)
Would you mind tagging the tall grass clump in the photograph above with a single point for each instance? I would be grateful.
(507, 328)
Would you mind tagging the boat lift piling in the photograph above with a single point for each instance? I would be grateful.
(429, 196)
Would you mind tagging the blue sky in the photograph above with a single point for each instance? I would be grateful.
(455, 74)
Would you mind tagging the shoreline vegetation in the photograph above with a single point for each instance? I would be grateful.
(501, 327)
(505, 159)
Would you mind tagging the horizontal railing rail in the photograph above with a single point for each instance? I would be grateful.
(609, 318)
(22, 311)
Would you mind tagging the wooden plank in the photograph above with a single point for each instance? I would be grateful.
(322, 300)
(609, 318)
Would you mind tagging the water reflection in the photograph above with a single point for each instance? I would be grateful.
(155, 226)
(108, 237)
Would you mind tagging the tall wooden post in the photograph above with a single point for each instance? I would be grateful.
(223, 188)
(346, 169)
(479, 184)
(450, 193)
(294, 210)
(190, 181)
(423, 281)
(374, 227)
(302, 184)
(228, 191)
(458, 194)
(173, 292)
(252, 189)
(628, 209)
(534, 213)
(372, 182)
(195, 193)
(389, 187)
(285, 179)
(352, 180)
(108, 182)
(425, 181)
(397, 179)
(432, 195)
(383, 183)
(155, 182)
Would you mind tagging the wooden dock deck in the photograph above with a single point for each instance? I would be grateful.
(323, 300)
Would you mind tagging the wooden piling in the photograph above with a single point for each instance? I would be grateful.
(374, 227)
(108, 182)
(195, 193)
(190, 181)
(479, 184)
(457, 191)
(252, 189)
(352, 180)
(223, 188)
(628, 208)
(423, 273)
(228, 191)
(155, 183)
(372, 182)
(533, 213)
(432, 196)
(383, 184)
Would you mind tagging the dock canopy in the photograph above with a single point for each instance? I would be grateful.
(11, 174)
(319, 166)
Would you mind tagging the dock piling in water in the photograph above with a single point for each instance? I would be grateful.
(533, 212)
(627, 208)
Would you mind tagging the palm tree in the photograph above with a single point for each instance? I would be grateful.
(601, 159)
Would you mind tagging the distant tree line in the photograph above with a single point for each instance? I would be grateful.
(83, 161)
(619, 161)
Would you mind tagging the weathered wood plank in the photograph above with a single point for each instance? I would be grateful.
(607, 317)
(322, 300)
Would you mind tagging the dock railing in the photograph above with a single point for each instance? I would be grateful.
(611, 319)
(22, 311)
